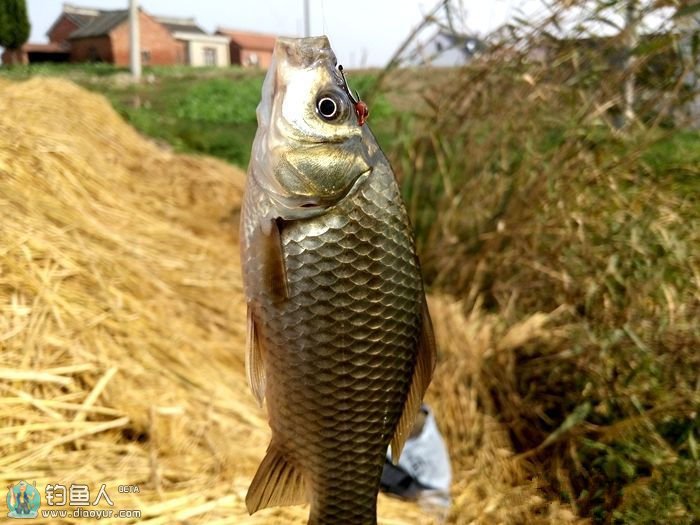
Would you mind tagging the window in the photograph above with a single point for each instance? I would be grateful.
(145, 57)
(209, 56)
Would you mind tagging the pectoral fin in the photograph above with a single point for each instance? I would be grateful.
(277, 482)
(422, 374)
(267, 250)
(254, 364)
(269, 277)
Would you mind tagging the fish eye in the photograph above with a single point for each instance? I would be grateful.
(328, 108)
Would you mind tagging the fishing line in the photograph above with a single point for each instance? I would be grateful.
(323, 15)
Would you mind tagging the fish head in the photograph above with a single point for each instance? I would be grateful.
(309, 151)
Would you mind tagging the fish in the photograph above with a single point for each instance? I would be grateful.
(340, 346)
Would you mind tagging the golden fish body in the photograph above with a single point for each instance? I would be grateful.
(340, 343)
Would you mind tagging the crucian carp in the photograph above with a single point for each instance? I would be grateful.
(340, 343)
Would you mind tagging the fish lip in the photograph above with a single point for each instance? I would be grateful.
(296, 208)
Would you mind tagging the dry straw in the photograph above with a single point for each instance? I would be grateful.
(121, 331)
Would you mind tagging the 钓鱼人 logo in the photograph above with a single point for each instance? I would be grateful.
(22, 500)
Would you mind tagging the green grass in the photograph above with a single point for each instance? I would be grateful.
(215, 117)
(211, 112)
(73, 71)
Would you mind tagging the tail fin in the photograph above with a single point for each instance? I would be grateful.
(277, 482)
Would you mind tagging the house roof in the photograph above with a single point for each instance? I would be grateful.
(249, 39)
(80, 19)
(51, 47)
(80, 16)
(101, 24)
(184, 25)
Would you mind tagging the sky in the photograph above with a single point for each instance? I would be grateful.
(362, 32)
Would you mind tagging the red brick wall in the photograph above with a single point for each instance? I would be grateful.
(242, 56)
(62, 30)
(155, 40)
(92, 49)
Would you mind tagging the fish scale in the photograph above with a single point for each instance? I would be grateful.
(338, 339)
(340, 343)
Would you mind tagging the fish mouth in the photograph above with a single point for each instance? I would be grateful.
(304, 52)
(306, 207)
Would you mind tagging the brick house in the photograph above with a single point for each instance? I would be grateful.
(105, 38)
(81, 34)
(248, 48)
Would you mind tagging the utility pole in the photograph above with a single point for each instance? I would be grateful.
(307, 19)
(135, 39)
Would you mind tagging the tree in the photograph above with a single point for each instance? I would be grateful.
(14, 28)
(667, 13)
(688, 21)
(632, 24)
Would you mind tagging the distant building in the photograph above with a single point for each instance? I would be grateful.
(105, 38)
(203, 49)
(82, 34)
(249, 49)
(444, 49)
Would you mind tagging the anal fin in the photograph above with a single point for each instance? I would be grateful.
(422, 374)
(277, 482)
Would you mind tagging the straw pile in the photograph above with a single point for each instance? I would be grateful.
(122, 331)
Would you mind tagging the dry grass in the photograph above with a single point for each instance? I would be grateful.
(121, 330)
(492, 485)
(120, 294)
